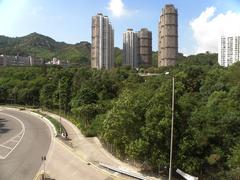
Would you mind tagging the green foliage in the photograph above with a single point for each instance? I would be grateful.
(59, 128)
(43, 47)
(155, 59)
(118, 57)
(132, 114)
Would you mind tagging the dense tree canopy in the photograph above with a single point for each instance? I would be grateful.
(132, 114)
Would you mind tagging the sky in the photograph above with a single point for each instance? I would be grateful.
(201, 22)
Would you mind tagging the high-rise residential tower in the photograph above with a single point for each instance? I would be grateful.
(130, 48)
(102, 51)
(145, 46)
(168, 36)
(229, 50)
(137, 47)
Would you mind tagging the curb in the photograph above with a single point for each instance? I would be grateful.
(45, 119)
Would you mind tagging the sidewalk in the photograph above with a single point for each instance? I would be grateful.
(90, 149)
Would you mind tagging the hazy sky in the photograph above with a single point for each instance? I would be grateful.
(201, 22)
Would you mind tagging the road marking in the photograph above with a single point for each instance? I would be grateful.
(5, 147)
(13, 139)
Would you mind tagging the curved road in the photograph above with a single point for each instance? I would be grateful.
(24, 139)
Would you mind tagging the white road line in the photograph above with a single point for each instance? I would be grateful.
(1, 157)
(5, 147)
(19, 134)
(13, 140)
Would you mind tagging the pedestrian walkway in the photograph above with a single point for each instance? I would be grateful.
(90, 149)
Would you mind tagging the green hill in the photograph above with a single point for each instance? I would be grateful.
(41, 46)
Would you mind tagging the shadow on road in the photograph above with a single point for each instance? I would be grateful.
(3, 128)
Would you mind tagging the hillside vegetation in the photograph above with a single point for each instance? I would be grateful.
(132, 114)
(44, 47)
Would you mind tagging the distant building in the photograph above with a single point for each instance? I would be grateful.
(102, 51)
(36, 62)
(145, 46)
(58, 62)
(6, 60)
(22, 61)
(2, 60)
(168, 36)
(130, 48)
(137, 48)
(229, 50)
(14, 61)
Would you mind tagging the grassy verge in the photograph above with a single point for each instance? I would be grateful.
(69, 117)
(57, 125)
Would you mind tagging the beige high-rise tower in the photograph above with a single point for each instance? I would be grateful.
(137, 48)
(145, 46)
(102, 51)
(168, 36)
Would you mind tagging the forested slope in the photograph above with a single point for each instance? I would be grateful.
(132, 114)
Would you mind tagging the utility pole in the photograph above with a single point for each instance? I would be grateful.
(43, 160)
(171, 147)
(59, 99)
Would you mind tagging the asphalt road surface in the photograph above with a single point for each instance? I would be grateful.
(24, 138)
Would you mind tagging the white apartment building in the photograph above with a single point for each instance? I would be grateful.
(130, 48)
(229, 50)
(102, 51)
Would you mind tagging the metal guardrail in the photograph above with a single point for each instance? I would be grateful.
(186, 176)
(130, 174)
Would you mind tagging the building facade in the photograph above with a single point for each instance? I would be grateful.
(130, 48)
(102, 50)
(137, 48)
(168, 36)
(229, 50)
(6, 60)
(145, 46)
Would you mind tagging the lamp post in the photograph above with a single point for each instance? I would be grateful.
(171, 146)
(43, 160)
(59, 99)
(172, 121)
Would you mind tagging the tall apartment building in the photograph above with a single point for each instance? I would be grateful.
(137, 48)
(145, 46)
(168, 36)
(229, 50)
(130, 48)
(102, 51)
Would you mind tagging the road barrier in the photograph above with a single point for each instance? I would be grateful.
(130, 174)
(186, 176)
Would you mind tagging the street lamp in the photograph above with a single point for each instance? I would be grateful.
(172, 122)
(59, 99)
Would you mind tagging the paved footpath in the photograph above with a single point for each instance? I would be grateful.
(90, 149)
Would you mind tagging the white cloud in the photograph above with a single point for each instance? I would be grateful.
(209, 27)
(118, 9)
